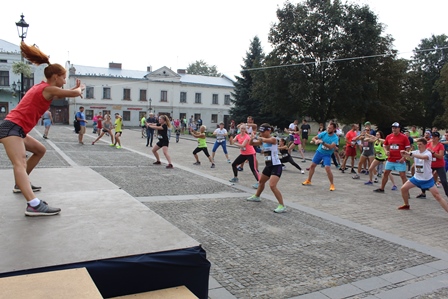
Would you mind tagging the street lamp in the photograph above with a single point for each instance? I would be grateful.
(150, 109)
(22, 30)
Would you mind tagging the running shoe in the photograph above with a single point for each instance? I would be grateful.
(421, 195)
(355, 177)
(213, 165)
(302, 172)
(363, 171)
(283, 167)
(353, 171)
(157, 163)
(332, 188)
(307, 183)
(228, 161)
(255, 186)
(239, 168)
(304, 161)
(367, 172)
(404, 207)
(169, 166)
(111, 144)
(197, 163)
(93, 143)
(253, 198)
(16, 189)
(118, 146)
(234, 180)
(280, 209)
(43, 209)
(379, 190)
(375, 180)
(394, 188)
(368, 183)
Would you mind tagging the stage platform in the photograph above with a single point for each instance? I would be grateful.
(119, 240)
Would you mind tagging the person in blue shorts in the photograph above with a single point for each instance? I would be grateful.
(423, 177)
(327, 142)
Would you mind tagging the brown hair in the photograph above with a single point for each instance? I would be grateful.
(422, 140)
(167, 120)
(36, 56)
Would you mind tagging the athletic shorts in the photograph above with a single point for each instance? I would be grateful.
(273, 170)
(161, 143)
(8, 128)
(119, 133)
(350, 151)
(424, 185)
(318, 157)
(47, 122)
(400, 167)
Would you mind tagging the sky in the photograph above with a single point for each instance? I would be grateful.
(176, 33)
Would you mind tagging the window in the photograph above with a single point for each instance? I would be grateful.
(164, 96)
(106, 112)
(197, 116)
(227, 100)
(183, 97)
(3, 61)
(215, 99)
(214, 118)
(89, 92)
(4, 78)
(28, 82)
(106, 93)
(142, 95)
(127, 115)
(197, 98)
(89, 114)
(126, 94)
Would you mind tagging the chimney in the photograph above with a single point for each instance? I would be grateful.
(113, 65)
(72, 70)
(149, 69)
(181, 71)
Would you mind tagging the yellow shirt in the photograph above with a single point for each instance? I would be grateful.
(118, 124)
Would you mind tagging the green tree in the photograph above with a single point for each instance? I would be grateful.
(427, 63)
(442, 88)
(200, 67)
(244, 102)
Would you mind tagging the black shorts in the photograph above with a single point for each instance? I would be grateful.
(305, 136)
(161, 143)
(8, 128)
(204, 149)
(118, 133)
(273, 170)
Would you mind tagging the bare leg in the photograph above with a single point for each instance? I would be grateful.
(167, 156)
(273, 185)
(155, 153)
(38, 150)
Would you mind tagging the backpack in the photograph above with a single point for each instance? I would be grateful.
(76, 124)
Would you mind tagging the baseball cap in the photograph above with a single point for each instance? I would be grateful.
(436, 134)
(367, 123)
(395, 124)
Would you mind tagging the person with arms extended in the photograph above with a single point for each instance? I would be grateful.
(202, 146)
(327, 142)
(423, 177)
(118, 130)
(22, 119)
(220, 134)
(162, 135)
(273, 169)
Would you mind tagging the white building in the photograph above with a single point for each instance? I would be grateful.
(134, 93)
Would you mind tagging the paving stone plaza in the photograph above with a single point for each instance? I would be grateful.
(349, 243)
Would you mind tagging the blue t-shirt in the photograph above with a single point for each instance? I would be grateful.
(81, 115)
(328, 139)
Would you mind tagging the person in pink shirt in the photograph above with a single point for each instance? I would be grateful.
(350, 148)
(247, 153)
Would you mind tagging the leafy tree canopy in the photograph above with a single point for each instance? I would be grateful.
(200, 67)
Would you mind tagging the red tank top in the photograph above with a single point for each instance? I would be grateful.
(28, 112)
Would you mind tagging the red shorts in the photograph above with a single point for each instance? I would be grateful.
(350, 151)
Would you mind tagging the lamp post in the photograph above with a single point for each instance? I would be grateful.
(150, 108)
(22, 30)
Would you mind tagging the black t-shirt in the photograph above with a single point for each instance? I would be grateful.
(305, 129)
(162, 134)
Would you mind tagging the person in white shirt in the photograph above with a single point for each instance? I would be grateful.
(221, 135)
(423, 177)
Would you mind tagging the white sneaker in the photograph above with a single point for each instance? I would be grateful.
(302, 172)
(280, 209)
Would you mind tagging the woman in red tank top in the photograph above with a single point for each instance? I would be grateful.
(22, 119)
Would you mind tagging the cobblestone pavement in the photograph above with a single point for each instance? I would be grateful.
(350, 243)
